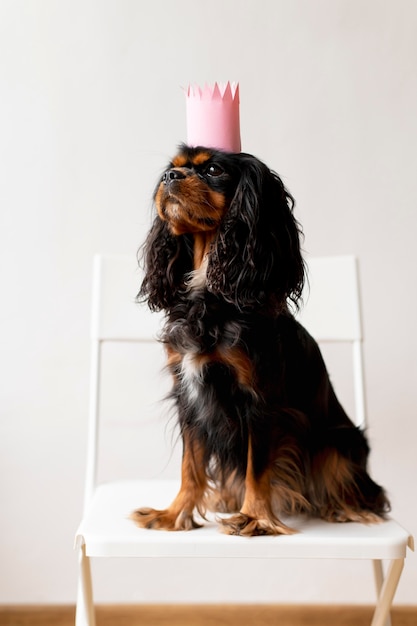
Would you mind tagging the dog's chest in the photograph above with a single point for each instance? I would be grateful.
(212, 372)
(206, 350)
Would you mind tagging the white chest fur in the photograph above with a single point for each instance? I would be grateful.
(191, 376)
(197, 278)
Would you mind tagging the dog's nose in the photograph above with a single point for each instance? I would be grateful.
(173, 174)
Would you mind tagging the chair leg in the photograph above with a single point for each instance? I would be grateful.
(386, 588)
(85, 615)
(379, 581)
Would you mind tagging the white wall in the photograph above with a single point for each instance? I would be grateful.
(90, 111)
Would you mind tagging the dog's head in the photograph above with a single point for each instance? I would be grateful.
(196, 190)
(241, 208)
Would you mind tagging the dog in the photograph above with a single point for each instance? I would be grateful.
(264, 435)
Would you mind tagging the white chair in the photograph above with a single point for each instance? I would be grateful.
(106, 531)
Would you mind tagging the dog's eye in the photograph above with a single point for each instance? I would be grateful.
(214, 170)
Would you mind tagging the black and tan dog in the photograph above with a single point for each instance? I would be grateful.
(263, 433)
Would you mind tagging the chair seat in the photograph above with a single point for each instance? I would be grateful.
(107, 531)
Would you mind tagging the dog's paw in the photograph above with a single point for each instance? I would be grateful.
(164, 519)
(246, 526)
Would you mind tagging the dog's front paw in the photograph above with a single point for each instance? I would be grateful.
(164, 519)
(242, 524)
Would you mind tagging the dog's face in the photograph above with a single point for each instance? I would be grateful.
(231, 216)
(196, 189)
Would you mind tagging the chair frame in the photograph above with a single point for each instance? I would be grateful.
(101, 535)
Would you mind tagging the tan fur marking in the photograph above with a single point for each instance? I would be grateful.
(240, 363)
(200, 158)
(235, 358)
(174, 357)
(173, 360)
(333, 491)
(258, 490)
(193, 476)
(202, 242)
(217, 200)
(179, 160)
(179, 515)
(256, 516)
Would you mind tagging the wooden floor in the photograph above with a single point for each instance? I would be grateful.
(204, 615)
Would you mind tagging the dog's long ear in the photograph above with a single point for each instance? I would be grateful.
(165, 259)
(256, 258)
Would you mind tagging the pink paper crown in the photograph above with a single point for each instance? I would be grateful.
(213, 116)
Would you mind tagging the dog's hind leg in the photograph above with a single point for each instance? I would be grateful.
(342, 491)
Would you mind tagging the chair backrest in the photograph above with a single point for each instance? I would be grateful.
(331, 313)
(331, 310)
(116, 316)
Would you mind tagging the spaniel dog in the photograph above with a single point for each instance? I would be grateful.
(263, 433)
